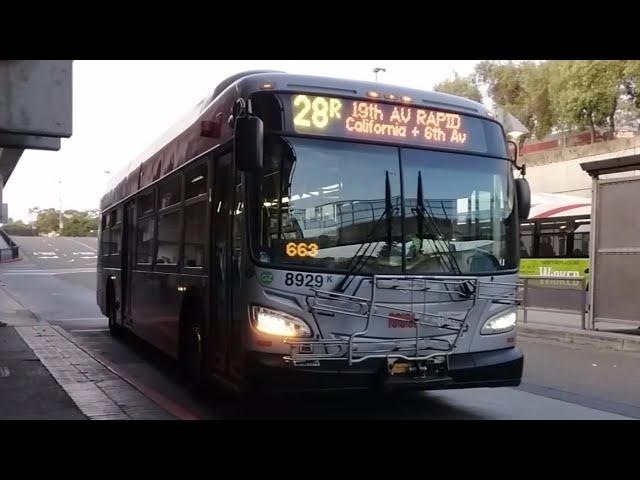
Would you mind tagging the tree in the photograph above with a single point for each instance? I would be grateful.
(461, 86)
(585, 93)
(48, 220)
(631, 84)
(80, 223)
(75, 222)
(522, 89)
(18, 228)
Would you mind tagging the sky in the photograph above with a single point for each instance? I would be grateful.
(121, 107)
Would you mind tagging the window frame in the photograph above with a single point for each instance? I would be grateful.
(139, 218)
(176, 207)
(187, 202)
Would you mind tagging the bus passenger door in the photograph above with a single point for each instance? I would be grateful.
(128, 239)
(221, 280)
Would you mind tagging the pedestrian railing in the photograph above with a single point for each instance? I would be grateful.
(569, 292)
(11, 251)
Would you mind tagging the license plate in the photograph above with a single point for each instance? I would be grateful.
(399, 368)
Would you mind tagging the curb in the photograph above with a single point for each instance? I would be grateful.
(11, 260)
(600, 340)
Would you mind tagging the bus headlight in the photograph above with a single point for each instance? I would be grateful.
(274, 322)
(503, 322)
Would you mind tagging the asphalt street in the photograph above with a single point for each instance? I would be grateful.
(56, 280)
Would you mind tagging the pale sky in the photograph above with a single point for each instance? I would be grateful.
(121, 107)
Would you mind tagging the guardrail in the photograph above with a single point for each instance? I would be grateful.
(579, 282)
(9, 253)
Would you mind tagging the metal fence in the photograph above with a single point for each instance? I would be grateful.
(555, 294)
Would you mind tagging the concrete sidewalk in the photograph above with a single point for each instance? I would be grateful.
(565, 328)
(28, 391)
(45, 374)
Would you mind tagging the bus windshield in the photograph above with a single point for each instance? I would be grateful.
(327, 204)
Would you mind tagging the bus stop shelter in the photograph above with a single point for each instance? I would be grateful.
(615, 241)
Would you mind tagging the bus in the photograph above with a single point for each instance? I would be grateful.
(297, 233)
(554, 240)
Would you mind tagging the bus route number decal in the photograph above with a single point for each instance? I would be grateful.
(316, 111)
(301, 279)
(301, 249)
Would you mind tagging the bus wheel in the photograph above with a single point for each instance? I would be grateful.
(191, 350)
(114, 329)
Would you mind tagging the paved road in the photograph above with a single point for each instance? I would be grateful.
(56, 279)
(559, 382)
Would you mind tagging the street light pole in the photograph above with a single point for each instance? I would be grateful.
(378, 69)
(60, 229)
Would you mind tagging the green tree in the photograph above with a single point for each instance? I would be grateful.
(48, 220)
(75, 223)
(522, 89)
(80, 223)
(18, 228)
(461, 86)
(585, 93)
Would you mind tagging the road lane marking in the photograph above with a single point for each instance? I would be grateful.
(84, 244)
(57, 271)
(79, 319)
(89, 330)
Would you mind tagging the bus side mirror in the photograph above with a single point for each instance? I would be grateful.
(523, 195)
(514, 157)
(247, 143)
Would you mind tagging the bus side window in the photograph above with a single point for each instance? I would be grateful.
(170, 192)
(195, 234)
(104, 240)
(144, 239)
(196, 181)
(168, 238)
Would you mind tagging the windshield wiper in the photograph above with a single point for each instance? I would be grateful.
(422, 213)
(362, 257)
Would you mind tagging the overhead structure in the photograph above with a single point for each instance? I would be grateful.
(35, 109)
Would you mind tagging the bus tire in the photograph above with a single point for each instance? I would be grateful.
(190, 349)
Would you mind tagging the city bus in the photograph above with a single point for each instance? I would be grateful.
(554, 240)
(308, 233)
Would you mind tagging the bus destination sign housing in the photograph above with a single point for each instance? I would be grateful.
(385, 122)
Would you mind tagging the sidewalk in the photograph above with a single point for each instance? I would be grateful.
(45, 374)
(565, 328)
(27, 389)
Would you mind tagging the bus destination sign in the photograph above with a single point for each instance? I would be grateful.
(359, 119)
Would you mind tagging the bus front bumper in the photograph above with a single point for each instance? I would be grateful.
(497, 368)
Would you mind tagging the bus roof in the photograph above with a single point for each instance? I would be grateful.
(185, 141)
